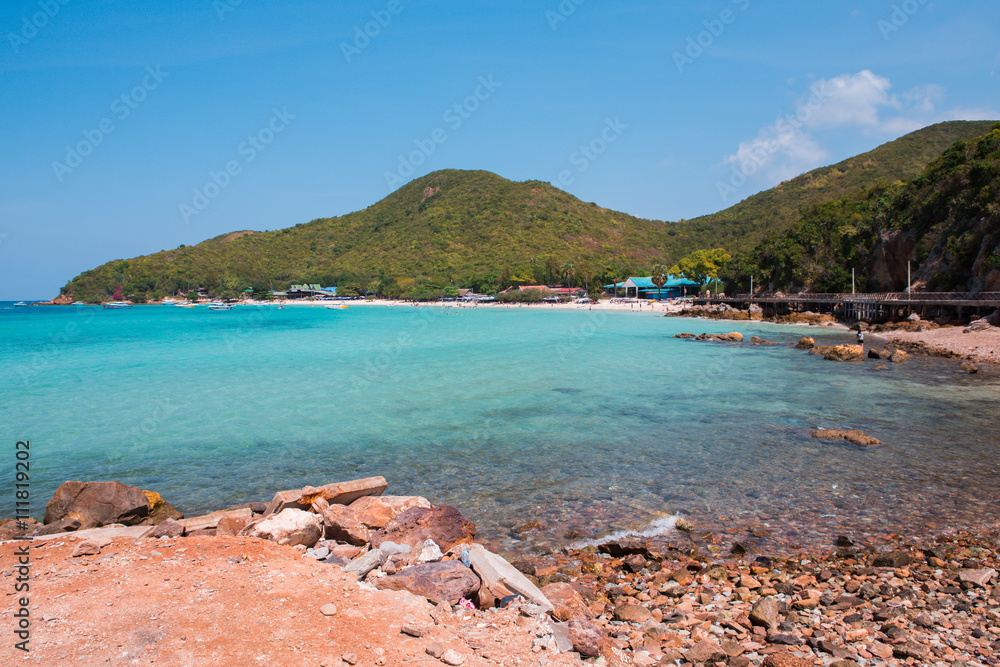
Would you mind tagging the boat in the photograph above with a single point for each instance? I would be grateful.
(183, 304)
(79, 303)
(118, 304)
(20, 304)
(218, 305)
(337, 307)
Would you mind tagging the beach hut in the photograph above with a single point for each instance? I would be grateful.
(645, 288)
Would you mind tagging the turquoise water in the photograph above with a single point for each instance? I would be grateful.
(586, 421)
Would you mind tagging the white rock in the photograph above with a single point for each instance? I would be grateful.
(291, 527)
(430, 552)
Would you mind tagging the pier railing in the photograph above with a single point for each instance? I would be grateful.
(869, 297)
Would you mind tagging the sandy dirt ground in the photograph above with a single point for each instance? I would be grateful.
(982, 346)
(238, 601)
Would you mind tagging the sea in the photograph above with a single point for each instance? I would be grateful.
(545, 427)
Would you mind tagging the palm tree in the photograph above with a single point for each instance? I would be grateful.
(567, 270)
(659, 277)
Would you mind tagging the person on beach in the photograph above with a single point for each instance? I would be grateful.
(861, 338)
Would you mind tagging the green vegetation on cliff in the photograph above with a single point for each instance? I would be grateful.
(946, 221)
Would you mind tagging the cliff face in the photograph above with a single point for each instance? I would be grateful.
(889, 264)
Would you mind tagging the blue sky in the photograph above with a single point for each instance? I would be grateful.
(128, 128)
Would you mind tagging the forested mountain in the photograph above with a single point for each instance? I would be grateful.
(476, 229)
(945, 221)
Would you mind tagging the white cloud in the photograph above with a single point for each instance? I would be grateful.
(864, 102)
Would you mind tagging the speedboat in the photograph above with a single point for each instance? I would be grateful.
(79, 303)
(218, 305)
(20, 304)
(118, 304)
(337, 307)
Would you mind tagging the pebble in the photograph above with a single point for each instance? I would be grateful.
(329, 609)
(452, 657)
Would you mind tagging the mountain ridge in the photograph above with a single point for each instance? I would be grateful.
(476, 229)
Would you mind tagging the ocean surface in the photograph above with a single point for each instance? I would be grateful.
(586, 422)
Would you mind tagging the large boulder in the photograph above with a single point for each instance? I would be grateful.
(340, 493)
(160, 510)
(443, 524)
(341, 523)
(839, 352)
(449, 581)
(96, 504)
(566, 600)
(806, 343)
(375, 512)
(500, 578)
(290, 527)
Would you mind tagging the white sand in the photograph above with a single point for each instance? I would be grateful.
(981, 346)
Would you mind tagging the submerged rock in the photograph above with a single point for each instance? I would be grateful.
(853, 436)
(806, 343)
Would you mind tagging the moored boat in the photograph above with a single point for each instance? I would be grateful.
(20, 304)
(118, 304)
(218, 305)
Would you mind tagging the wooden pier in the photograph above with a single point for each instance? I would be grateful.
(872, 308)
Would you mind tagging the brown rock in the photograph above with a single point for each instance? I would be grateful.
(898, 356)
(160, 510)
(586, 636)
(705, 651)
(340, 493)
(443, 524)
(86, 548)
(968, 367)
(634, 562)
(96, 504)
(850, 435)
(805, 344)
(13, 528)
(375, 512)
(980, 577)
(449, 581)
(632, 613)
(840, 352)
(230, 525)
(765, 612)
(168, 528)
(784, 659)
(341, 523)
(892, 559)
(567, 601)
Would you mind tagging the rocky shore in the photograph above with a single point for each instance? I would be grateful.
(344, 575)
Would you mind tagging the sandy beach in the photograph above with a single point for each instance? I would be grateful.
(980, 346)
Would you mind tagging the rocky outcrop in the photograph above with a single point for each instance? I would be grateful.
(340, 493)
(850, 435)
(757, 340)
(805, 344)
(341, 523)
(839, 352)
(444, 524)
(95, 504)
(449, 581)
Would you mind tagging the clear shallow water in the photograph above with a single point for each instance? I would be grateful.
(587, 422)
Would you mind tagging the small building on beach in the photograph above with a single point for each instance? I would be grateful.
(644, 288)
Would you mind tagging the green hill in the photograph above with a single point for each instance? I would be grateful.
(739, 227)
(945, 222)
(476, 229)
(451, 227)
